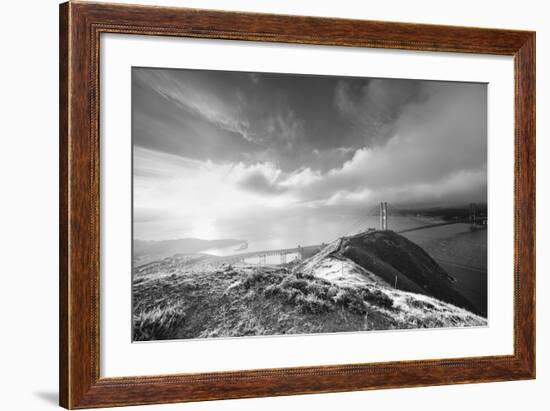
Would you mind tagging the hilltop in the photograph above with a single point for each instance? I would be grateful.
(348, 286)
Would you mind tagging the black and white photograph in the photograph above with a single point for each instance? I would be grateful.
(270, 204)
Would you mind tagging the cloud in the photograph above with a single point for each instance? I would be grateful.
(193, 195)
(373, 105)
(227, 156)
(258, 182)
(259, 178)
(282, 128)
(196, 100)
(200, 114)
(442, 137)
(258, 117)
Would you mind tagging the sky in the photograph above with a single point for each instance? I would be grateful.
(254, 155)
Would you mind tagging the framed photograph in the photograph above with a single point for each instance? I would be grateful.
(258, 205)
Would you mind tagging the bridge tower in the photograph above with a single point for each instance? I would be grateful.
(383, 216)
(472, 215)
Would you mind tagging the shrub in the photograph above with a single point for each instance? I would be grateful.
(313, 295)
(350, 300)
(377, 298)
(158, 323)
(313, 305)
(423, 305)
(261, 278)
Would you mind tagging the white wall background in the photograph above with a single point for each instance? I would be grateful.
(29, 190)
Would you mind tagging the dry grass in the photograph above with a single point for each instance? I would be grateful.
(223, 301)
(262, 301)
(158, 323)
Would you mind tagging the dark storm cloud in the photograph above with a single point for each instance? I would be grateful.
(433, 140)
(313, 121)
(372, 106)
(179, 118)
(438, 152)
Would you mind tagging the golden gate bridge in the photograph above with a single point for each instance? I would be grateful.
(475, 219)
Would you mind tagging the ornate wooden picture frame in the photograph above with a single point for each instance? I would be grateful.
(81, 25)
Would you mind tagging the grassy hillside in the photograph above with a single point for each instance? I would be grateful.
(326, 293)
(388, 256)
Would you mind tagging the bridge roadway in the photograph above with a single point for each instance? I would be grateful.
(238, 258)
(284, 252)
(423, 227)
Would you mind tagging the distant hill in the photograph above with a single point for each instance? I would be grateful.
(146, 251)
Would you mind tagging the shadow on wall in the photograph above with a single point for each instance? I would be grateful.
(51, 397)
